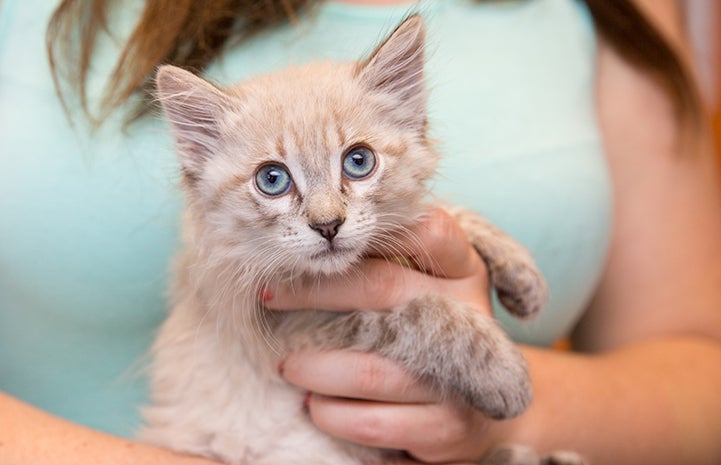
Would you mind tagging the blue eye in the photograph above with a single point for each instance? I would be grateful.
(359, 163)
(273, 180)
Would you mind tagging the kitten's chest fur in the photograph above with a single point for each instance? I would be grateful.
(216, 387)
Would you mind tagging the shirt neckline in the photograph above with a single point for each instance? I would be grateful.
(360, 11)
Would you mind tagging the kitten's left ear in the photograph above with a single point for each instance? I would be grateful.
(194, 108)
(396, 68)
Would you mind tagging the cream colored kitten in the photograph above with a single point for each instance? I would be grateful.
(292, 176)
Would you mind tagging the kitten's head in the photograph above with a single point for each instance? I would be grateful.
(306, 169)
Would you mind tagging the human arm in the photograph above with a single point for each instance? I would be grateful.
(644, 387)
(31, 436)
(647, 376)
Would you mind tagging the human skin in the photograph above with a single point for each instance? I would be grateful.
(642, 385)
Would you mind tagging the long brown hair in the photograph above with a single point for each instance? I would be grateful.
(191, 33)
(187, 33)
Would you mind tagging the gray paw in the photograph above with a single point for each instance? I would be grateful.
(511, 455)
(563, 458)
(451, 346)
(464, 351)
(518, 282)
(519, 287)
(500, 387)
(521, 455)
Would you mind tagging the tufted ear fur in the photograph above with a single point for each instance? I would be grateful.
(193, 106)
(396, 69)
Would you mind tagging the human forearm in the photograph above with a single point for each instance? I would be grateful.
(655, 402)
(28, 435)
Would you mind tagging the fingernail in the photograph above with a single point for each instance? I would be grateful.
(265, 295)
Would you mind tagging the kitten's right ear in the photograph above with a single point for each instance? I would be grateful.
(193, 107)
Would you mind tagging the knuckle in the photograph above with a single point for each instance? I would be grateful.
(454, 431)
(444, 239)
(439, 227)
(371, 378)
(367, 428)
(451, 430)
(381, 286)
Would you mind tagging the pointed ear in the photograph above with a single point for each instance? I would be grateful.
(396, 68)
(193, 107)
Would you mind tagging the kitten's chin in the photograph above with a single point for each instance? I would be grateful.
(333, 260)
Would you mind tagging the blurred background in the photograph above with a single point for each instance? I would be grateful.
(703, 19)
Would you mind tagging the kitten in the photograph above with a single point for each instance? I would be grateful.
(293, 176)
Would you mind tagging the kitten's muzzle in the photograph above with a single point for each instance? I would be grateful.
(328, 230)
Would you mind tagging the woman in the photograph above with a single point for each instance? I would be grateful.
(90, 228)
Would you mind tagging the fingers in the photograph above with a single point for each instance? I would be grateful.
(445, 263)
(354, 375)
(369, 400)
(437, 245)
(432, 433)
(375, 284)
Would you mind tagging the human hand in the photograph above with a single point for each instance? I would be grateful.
(441, 260)
(368, 399)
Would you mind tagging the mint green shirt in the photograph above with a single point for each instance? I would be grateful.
(88, 223)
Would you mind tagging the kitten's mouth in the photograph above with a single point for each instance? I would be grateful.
(333, 250)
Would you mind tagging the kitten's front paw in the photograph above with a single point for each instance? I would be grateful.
(563, 458)
(460, 351)
(520, 287)
(521, 455)
(514, 275)
(451, 346)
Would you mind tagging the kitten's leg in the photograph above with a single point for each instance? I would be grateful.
(563, 458)
(521, 455)
(511, 455)
(451, 346)
(518, 283)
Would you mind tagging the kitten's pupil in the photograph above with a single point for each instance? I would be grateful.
(358, 159)
(272, 176)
